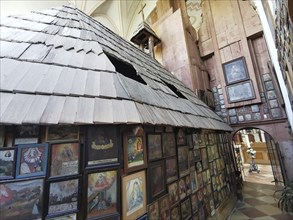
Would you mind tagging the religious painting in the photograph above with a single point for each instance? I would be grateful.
(62, 132)
(63, 197)
(186, 209)
(102, 193)
(204, 157)
(173, 191)
(102, 145)
(169, 144)
(153, 211)
(134, 195)
(171, 169)
(64, 217)
(235, 71)
(182, 188)
(181, 137)
(194, 203)
(157, 182)
(7, 162)
(134, 152)
(143, 217)
(183, 154)
(187, 184)
(191, 160)
(164, 207)
(195, 140)
(197, 155)
(193, 181)
(21, 199)
(31, 160)
(240, 92)
(175, 213)
(26, 134)
(189, 141)
(64, 159)
(154, 146)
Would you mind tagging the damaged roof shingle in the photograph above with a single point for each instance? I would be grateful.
(56, 69)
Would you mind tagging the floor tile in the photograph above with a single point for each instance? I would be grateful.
(254, 201)
(255, 193)
(252, 212)
(268, 209)
(267, 199)
(238, 215)
(265, 218)
(283, 216)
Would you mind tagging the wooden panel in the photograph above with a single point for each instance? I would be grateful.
(36, 110)
(5, 99)
(12, 73)
(17, 109)
(107, 87)
(32, 78)
(64, 83)
(79, 82)
(103, 111)
(53, 110)
(119, 114)
(69, 110)
(85, 111)
(93, 84)
(132, 112)
(49, 81)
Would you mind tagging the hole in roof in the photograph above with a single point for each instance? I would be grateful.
(125, 69)
(175, 90)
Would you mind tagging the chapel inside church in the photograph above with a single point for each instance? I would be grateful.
(146, 109)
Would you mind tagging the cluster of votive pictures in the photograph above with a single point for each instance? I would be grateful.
(167, 174)
(198, 171)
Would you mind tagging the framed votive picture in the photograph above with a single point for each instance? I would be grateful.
(31, 160)
(102, 194)
(154, 146)
(22, 199)
(153, 210)
(171, 169)
(134, 152)
(26, 134)
(134, 195)
(157, 182)
(235, 71)
(183, 160)
(7, 162)
(62, 132)
(240, 92)
(64, 159)
(169, 144)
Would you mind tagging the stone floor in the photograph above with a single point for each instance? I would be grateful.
(258, 198)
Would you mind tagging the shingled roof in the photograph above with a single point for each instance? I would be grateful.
(60, 66)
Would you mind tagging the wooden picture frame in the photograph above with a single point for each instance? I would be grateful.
(153, 211)
(164, 207)
(185, 207)
(31, 160)
(171, 169)
(24, 199)
(181, 137)
(134, 195)
(143, 217)
(61, 201)
(26, 134)
(154, 146)
(235, 71)
(102, 194)
(194, 203)
(103, 147)
(240, 92)
(2, 135)
(62, 132)
(183, 161)
(175, 213)
(182, 188)
(65, 217)
(64, 159)
(7, 162)
(135, 157)
(157, 179)
(173, 191)
(169, 144)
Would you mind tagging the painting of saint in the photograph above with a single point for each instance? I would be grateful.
(134, 195)
(135, 151)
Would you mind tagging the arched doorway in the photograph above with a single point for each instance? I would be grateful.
(257, 156)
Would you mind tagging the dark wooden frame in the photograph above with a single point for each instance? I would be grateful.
(235, 71)
(75, 194)
(6, 163)
(102, 174)
(171, 178)
(153, 210)
(183, 158)
(128, 138)
(156, 180)
(31, 199)
(26, 138)
(102, 146)
(240, 92)
(154, 147)
(168, 142)
(43, 160)
(62, 161)
(186, 202)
